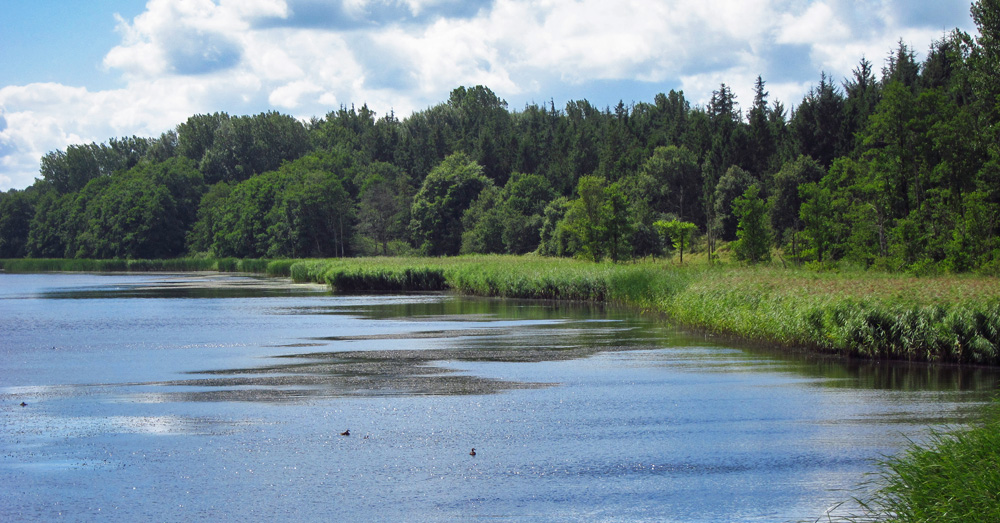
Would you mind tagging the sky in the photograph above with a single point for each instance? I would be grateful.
(79, 72)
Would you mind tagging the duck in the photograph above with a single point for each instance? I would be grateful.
(346, 432)
(473, 453)
(23, 404)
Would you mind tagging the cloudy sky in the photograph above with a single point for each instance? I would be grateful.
(80, 72)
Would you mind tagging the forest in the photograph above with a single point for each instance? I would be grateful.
(896, 168)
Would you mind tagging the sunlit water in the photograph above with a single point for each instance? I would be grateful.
(182, 397)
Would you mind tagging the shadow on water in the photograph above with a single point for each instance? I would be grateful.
(421, 370)
(191, 286)
(528, 332)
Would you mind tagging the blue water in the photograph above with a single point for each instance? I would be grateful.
(219, 397)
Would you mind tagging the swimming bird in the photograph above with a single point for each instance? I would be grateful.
(346, 432)
(473, 453)
(23, 404)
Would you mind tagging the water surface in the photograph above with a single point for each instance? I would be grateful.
(179, 397)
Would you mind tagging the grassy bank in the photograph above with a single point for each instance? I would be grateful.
(953, 478)
(870, 315)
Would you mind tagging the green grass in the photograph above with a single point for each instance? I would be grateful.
(954, 477)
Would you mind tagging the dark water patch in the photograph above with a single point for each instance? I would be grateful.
(439, 334)
(294, 345)
(212, 286)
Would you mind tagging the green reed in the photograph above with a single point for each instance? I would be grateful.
(954, 477)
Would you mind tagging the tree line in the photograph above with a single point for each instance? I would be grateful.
(894, 169)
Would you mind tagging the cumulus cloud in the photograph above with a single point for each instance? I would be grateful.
(305, 57)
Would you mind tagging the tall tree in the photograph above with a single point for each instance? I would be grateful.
(438, 206)
(862, 95)
(585, 217)
(754, 244)
(16, 211)
(384, 204)
(615, 222)
(761, 140)
(818, 124)
(731, 185)
(785, 200)
(672, 182)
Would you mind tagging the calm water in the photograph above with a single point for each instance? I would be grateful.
(182, 397)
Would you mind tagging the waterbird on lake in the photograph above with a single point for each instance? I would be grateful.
(346, 432)
(473, 453)
(23, 404)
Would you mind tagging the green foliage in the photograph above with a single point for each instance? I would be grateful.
(243, 146)
(384, 202)
(555, 237)
(753, 231)
(731, 185)
(786, 199)
(16, 211)
(818, 123)
(300, 210)
(615, 223)
(584, 218)
(438, 206)
(143, 213)
(507, 220)
(678, 233)
(671, 180)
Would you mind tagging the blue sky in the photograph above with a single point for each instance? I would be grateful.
(77, 72)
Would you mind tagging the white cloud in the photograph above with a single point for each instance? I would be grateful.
(290, 96)
(183, 57)
(817, 24)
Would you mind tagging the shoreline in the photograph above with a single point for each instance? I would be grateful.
(872, 316)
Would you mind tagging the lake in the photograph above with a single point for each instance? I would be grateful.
(223, 397)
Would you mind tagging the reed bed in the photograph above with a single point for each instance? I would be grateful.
(946, 319)
(954, 477)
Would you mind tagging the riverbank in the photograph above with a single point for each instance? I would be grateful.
(953, 319)
(947, 319)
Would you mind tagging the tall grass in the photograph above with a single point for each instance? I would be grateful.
(953, 319)
(952, 478)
